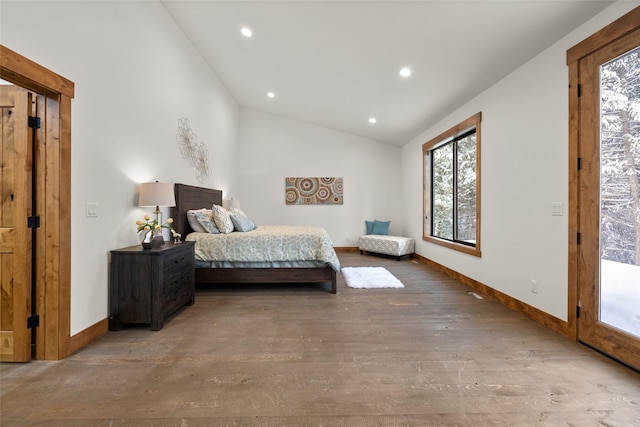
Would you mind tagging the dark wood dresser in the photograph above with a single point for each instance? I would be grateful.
(148, 286)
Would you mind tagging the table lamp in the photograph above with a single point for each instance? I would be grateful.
(156, 194)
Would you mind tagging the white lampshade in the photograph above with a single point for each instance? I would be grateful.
(156, 194)
(234, 203)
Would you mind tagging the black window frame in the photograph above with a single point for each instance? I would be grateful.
(451, 137)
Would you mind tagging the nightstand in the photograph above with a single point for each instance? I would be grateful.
(148, 286)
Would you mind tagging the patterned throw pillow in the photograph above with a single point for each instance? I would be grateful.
(206, 221)
(222, 219)
(242, 223)
(237, 211)
(193, 221)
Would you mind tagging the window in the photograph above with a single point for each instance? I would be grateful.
(452, 187)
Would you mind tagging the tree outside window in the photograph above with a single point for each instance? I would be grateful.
(620, 159)
(452, 196)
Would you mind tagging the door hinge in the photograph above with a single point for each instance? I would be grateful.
(33, 321)
(34, 122)
(577, 311)
(579, 163)
(579, 90)
(33, 221)
(578, 238)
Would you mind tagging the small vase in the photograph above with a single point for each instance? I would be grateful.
(156, 240)
(146, 239)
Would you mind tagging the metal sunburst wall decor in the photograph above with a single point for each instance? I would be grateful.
(195, 152)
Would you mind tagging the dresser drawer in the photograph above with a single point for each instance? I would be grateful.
(178, 286)
(179, 289)
(178, 261)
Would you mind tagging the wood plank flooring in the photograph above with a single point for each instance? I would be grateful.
(426, 355)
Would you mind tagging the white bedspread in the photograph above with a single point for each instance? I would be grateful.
(271, 243)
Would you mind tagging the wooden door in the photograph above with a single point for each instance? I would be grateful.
(15, 236)
(609, 200)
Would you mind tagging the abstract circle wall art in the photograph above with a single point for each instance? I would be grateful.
(313, 191)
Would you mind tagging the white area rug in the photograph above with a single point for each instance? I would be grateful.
(370, 277)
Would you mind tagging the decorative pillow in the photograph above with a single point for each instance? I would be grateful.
(369, 225)
(206, 221)
(222, 219)
(237, 211)
(242, 223)
(381, 227)
(193, 221)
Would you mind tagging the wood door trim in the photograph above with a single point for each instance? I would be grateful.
(621, 27)
(573, 200)
(56, 195)
(612, 32)
(30, 75)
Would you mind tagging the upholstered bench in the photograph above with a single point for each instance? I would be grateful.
(387, 245)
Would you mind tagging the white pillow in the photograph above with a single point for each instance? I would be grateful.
(193, 221)
(222, 219)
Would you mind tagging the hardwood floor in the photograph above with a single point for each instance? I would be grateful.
(428, 354)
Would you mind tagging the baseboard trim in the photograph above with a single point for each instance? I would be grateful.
(85, 336)
(346, 249)
(533, 313)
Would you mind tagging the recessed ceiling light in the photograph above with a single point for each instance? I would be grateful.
(246, 31)
(372, 120)
(271, 94)
(405, 72)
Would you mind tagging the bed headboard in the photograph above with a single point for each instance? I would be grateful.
(189, 197)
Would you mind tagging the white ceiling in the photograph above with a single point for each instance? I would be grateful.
(336, 63)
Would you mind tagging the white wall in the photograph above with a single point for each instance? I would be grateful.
(135, 75)
(273, 147)
(524, 151)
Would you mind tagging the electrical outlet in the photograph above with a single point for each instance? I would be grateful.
(535, 288)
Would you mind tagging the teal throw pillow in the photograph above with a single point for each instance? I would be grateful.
(369, 225)
(381, 227)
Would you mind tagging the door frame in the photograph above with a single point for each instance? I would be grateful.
(612, 32)
(53, 266)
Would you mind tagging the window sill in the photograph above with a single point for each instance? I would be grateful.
(455, 246)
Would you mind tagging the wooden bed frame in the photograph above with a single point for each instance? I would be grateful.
(189, 197)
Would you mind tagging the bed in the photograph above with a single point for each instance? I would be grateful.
(322, 270)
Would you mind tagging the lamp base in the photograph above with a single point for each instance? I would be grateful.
(158, 213)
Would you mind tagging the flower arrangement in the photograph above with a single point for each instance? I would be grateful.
(152, 224)
(152, 232)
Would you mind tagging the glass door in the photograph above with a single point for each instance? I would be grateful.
(609, 206)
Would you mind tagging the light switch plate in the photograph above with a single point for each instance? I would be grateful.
(557, 209)
(92, 210)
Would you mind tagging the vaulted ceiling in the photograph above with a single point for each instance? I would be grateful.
(336, 63)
